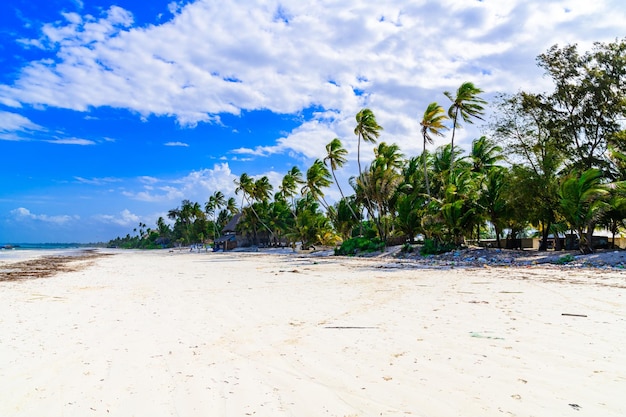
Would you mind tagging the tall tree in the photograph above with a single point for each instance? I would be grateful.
(317, 178)
(336, 158)
(466, 105)
(432, 125)
(367, 129)
(525, 127)
(213, 205)
(589, 99)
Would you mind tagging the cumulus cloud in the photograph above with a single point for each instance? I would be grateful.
(22, 214)
(215, 57)
(196, 186)
(123, 218)
(181, 144)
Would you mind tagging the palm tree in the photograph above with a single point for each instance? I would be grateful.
(231, 206)
(262, 190)
(254, 190)
(582, 204)
(336, 158)
(367, 129)
(317, 177)
(216, 201)
(485, 154)
(432, 124)
(245, 184)
(466, 104)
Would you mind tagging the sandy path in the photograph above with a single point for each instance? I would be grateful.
(160, 334)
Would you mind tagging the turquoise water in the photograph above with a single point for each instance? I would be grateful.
(35, 246)
(22, 251)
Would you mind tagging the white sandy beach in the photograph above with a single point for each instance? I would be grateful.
(212, 334)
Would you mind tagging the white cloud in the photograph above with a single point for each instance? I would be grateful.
(214, 57)
(181, 144)
(13, 126)
(97, 181)
(124, 218)
(22, 214)
(196, 186)
(72, 141)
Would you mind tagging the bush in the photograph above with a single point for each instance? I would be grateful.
(434, 247)
(359, 245)
(407, 248)
(565, 259)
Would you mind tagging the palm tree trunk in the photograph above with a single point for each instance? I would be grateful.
(344, 197)
(456, 115)
(358, 151)
(426, 170)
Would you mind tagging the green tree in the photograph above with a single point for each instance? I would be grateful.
(431, 125)
(582, 204)
(589, 100)
(317, 178)
(524, 125)
(367, 129)
(213, 205)
(466, 105)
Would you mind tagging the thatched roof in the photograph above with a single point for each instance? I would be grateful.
(231, 226)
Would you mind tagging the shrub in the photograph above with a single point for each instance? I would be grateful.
(358, 245)
(407, 248)
(565, 259)
(434, 247)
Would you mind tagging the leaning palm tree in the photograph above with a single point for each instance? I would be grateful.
(289, 186)
(367, 129)
(317, 178)
(432, 124)
(216, 202)
(336, 158)
(466, 104)
(252, 190)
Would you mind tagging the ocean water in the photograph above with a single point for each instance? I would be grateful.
(23, 251)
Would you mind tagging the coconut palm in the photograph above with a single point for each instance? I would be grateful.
(432, 124)
(212, 207)
(367, 129)
(252, 190)
(262, 190)
(336, 158)
(467, 105)
(231, 206)
(317, 178)
(245, 185)
(582, 204)
(485, 154)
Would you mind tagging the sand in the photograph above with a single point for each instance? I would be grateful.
(213, 334)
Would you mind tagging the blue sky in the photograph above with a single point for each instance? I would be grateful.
(112, 112)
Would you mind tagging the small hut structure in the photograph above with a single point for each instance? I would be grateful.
(229, 239)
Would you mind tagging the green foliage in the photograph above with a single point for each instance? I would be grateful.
(565, 259)
(407, 248)
(434, 247)
(358, 245)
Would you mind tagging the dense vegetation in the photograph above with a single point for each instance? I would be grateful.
(554, 162)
